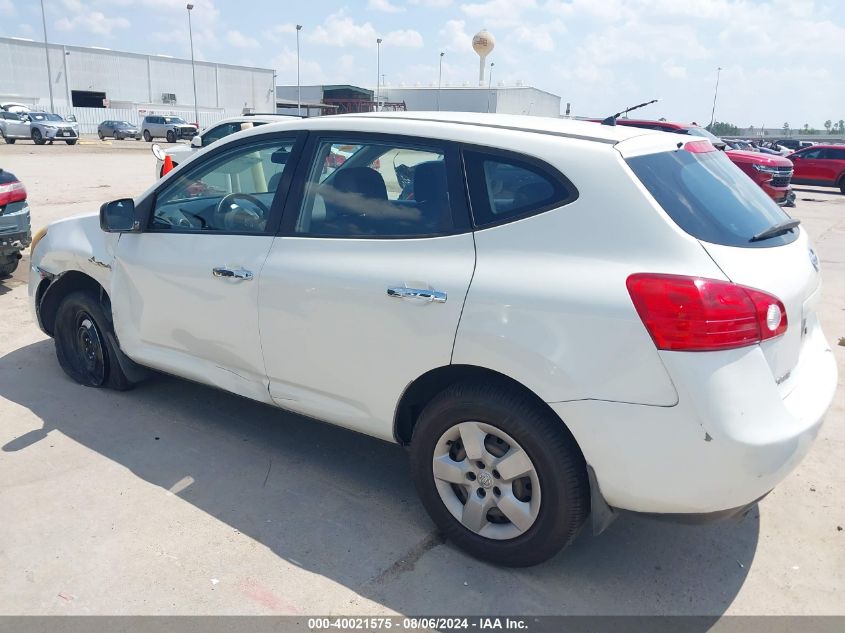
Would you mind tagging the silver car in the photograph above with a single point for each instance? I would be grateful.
(167, 126)
(41, 127)
(118, 130)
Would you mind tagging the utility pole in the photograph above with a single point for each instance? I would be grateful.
(439, 79)
(47, 52)
(490, 85)
(193, 67)
(298, 85)
(378, 70)
(715, 94)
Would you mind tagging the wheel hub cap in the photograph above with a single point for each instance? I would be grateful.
(486, 480)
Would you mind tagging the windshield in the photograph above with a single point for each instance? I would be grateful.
(700, 131)
(44, 116)
(174, 119)
(123, 124)
(710, 198)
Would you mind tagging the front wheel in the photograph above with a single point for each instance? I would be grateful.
(499, 474)
(9, 264)
(9, 141)
(842, 184)
(84, 342)
(71, 142)
(37, 138)
(100, 134)
(171, 136)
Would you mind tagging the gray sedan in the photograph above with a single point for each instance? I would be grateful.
(118, 130)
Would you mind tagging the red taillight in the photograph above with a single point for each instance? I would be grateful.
(694, 314)
(12, 192)
(700, 147)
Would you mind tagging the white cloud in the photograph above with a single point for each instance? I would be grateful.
(673, 70)
(285, 64)
(434, 4)
(239, 40)
(541, 37)
(7, 8)
(384, 5)
(340, 30)
(499, 12)
(455, 38)
(93, 22)
(279, 32)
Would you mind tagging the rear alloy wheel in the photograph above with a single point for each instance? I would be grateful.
(84, 343)
(171, 136)
(147, 136)
(499, 474)
(37, 138)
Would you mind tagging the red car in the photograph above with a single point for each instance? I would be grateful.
(820, 165)
(772, 173)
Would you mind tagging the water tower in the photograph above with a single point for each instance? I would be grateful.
(483, 44)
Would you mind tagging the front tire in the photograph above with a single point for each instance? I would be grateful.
(83, 338)
(499, 474)
(841, 184)
(9, 141)
(8, 264)
(37, 138)
(100, 134)
(171, 136)
(71, 142)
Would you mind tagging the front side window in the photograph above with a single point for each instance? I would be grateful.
(229, 193)
(376, 190)
(812, 153)
(504, 188)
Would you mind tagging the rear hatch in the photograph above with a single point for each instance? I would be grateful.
(733, 219)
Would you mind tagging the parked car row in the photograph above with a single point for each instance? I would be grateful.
(613, 319)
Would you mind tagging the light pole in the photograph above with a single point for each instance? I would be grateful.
(490, 85)
(715, 93)
(298, 87)
(47, 52)
(378, 69)
(193, 68)
(439, 78)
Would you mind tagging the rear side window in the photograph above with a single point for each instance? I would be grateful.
(710, 198)
(835, 153)
(504, 187)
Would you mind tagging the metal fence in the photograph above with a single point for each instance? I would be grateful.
(90, 118)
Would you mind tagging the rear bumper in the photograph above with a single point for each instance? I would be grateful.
(730, 439)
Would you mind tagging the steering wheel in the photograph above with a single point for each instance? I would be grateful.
(240, 218)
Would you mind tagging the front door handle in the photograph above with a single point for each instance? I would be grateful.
(432, 296)
(232, 273)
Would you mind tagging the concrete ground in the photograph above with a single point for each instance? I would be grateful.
(178, 499)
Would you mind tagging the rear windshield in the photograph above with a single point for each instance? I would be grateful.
(711, 198)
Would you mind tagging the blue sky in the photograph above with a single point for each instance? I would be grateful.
(782, 60)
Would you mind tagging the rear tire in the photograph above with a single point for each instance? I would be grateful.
(171, 136)
(82, 336)
(530, 510)
(147, 137)
(9, 141)
(841, 184)
(37, 138)
(71, 142)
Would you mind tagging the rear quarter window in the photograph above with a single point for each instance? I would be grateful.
(504, 187)
(711, 198)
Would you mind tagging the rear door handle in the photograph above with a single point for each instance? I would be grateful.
(232, 273)
(402, 292)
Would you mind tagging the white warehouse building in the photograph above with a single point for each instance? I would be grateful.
(501, 99)
(97, 84)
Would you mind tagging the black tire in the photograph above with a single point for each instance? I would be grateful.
(100, 134)
(83, 338)
(8, 265)
(557, 460)
(9, 141)
(71, 142)
(37, 138)
(147, 137)
(171, 136)
(841, 184)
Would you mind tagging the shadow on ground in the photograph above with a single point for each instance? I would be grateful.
(342, 505)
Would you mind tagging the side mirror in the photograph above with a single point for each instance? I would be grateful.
(118, 216)
(196, 141)
(157, 151)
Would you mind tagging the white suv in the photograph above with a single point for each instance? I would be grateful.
(212, 134)
(559, 318)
